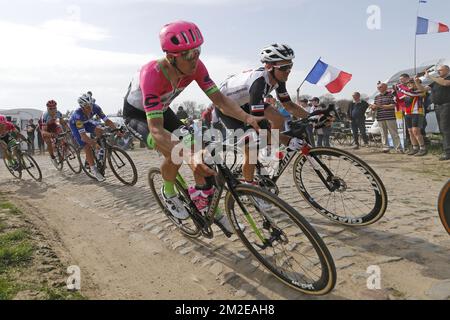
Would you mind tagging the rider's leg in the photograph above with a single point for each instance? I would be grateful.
(248, 169)
(4, 150)
(48, 141)
(277, 121)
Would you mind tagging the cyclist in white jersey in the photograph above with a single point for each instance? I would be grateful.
(250, 89)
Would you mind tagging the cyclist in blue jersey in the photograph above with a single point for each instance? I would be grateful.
(81, 123)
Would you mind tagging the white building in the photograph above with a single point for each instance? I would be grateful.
(21, 116)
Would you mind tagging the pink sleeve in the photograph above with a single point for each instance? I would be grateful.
(204, 81)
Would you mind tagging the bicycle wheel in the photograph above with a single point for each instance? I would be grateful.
(188, 226)
(32, 167)
(59, 158)
(444, 206)
(282, 240)
(15, 173)
(122, 166)
(72, 158)
(340, 186)
(87, 169)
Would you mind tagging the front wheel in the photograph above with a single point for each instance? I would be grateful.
(340, 186)
(444, 206)
(122, 166)
(32, 167)
(13, 167)
(281, 239)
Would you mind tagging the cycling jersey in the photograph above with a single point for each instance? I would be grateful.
(80, 123)
(6, 136)
(153, 93)
(78, 120)
(51, 122)
(249, 89)
(252, 87)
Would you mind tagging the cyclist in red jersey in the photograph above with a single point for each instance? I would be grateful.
(8, 135)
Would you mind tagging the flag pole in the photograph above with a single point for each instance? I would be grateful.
(301, 85)
(415, 39)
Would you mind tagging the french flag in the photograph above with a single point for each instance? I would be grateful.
(425, 26)
(328, 76)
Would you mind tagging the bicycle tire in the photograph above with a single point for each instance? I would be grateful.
(15, 173)
(73, 154)
(444, 206)
(193, 232)
(325, 282)
(361, 169)
(33, 164)
(59, 158)
(87, 170)
(114, 152)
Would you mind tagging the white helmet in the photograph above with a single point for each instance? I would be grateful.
(277, 52)
(85, 99)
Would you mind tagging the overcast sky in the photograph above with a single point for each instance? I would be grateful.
(56, 49)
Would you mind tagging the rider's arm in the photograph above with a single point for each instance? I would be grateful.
(230, 107)
(63, 123)
(225, 104)
(296, 110)
(110, 124)
(291, 107)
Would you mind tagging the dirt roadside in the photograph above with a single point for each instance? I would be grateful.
(127, 249)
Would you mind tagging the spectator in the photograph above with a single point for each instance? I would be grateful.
(315, 105)
(384, 106)
(357, 116)
(181, 114)
(89, 93)
(41, 143)
(323, 134)
(31, 129)
(399, 93)
(309, 130)
(414, 117)
(440, 96)
(207, 116)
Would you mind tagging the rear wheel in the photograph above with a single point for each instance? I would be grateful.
(72, 158)
(122, 166)
(444, 206)
(188, 226)
(32, 167)
(282, 240)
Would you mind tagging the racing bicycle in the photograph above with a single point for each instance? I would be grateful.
(336, 183)
(278, 237)
(119, 161)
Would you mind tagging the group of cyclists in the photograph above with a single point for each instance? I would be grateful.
(240, 102)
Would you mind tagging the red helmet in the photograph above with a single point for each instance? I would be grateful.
(51, 104)
(2, 119)
(180, 36)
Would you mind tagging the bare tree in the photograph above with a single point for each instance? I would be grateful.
(327, 99)
(191, 108)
